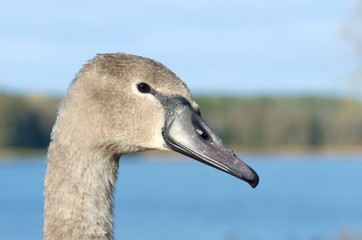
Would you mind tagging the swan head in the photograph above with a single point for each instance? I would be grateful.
(123, 103)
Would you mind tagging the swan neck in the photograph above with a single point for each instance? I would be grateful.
(78, 191)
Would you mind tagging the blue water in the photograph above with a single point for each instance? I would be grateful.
(307, 196)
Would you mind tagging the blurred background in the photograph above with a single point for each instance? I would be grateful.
(279, 81)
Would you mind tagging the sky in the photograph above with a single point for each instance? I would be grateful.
(225, 47)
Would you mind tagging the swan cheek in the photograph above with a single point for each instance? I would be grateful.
(157, 140)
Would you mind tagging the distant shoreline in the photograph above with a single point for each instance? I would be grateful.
(278, 124)
(19, 152)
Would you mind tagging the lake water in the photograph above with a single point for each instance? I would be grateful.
(306, 196)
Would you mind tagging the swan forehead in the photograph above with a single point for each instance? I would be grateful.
(131, 69)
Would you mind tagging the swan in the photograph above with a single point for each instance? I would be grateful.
(120, 103)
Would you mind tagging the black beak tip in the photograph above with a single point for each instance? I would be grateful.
(254, 181)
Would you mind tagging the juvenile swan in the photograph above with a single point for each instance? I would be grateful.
(118, 104)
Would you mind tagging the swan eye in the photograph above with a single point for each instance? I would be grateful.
(144, 88)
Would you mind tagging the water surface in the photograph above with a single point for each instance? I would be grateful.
(305, 196)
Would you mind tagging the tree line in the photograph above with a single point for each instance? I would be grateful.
(309, 123)
(26, 121)
(244, 123)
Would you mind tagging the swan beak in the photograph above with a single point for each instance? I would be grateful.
(187, 133)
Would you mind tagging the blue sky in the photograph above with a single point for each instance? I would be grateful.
(229, 46)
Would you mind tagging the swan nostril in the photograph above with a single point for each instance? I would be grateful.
(203, 134)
